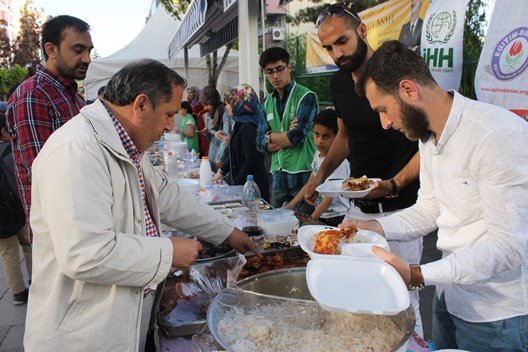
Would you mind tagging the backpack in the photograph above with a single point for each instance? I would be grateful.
(12, 217)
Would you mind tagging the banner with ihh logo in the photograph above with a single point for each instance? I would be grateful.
(442, 41)
(502, 72)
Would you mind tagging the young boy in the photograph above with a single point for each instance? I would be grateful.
(329, 210)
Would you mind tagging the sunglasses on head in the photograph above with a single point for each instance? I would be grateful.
(334, 11)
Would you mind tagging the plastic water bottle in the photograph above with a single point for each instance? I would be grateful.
(194, 158)
(161, 146)
(171, 166)
(206, 174)
(251, 204)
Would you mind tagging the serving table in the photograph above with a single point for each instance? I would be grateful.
(195, 336)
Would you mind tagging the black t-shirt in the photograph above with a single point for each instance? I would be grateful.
(374, 152)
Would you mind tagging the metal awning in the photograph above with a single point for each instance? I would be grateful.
(211, 24)
(214, 23)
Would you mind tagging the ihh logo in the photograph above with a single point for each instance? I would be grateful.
(439, 30)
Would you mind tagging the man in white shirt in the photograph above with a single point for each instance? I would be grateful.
(474, 182)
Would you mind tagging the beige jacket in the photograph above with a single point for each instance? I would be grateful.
(91, 257)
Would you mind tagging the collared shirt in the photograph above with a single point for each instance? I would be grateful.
(474, 186)
(38, 107)
(305, 114)
(135, 156)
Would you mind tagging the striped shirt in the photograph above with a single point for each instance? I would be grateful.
(135, 156)
(38, 107)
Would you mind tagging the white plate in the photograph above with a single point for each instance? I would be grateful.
(334, 188)
(307, 233)
(358, 285)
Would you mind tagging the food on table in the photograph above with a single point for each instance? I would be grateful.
(327, 242)
(357, 184)
(278, 242)
(285, 328)
(193, 174)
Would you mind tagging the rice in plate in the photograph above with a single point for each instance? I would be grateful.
(261, 331)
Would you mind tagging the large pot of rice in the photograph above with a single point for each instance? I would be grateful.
(274, 311)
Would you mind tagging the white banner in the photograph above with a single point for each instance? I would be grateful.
(442, 41)
(502, 72)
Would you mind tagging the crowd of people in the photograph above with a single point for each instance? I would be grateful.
(446, 163)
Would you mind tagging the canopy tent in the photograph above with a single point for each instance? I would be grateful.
(153, 42)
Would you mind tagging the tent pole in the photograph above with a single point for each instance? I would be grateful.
(186, 62)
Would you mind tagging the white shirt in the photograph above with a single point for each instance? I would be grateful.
(339, 204)
(474, 187)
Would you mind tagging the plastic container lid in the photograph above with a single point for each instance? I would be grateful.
(172, 137)
(277, 215)
(357, 285)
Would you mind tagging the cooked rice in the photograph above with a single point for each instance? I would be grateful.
(272, 328)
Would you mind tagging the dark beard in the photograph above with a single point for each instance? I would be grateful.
(414, 121)
(356, 59)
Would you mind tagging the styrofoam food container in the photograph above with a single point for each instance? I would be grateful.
(189, 184)
(278, 221)
(284, 227)
(357, 285)
(334, 188)
(307, 233)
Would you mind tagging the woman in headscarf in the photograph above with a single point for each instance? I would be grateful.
(214, 122)
(244, 158)
(193, 94)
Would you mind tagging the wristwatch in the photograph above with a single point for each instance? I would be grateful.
(417, 280)
(267, 137)
(394, 187)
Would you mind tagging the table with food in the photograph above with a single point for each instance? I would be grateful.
(316, 288)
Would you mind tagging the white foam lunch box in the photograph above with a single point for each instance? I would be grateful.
(365, 285)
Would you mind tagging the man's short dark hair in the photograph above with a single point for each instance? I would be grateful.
(146, 76)
(52, 30)
(101, 90)
(391, 64)
(327, 118)
(273, 55)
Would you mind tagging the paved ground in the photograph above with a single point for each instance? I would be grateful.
(12, 317)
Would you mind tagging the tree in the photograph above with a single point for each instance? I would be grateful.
(473, 29)
(9, 78)
(310, 13)
(177, 9)
(26, 46)
(5, 47)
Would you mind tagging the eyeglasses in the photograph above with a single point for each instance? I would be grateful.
(277, 70)
(334, 11)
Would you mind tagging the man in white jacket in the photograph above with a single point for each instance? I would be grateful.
(97, 206)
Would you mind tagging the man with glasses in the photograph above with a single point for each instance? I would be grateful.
(286, 128)
(371, 150)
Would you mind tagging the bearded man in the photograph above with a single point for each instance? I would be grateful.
(47, 100)
(371, 150)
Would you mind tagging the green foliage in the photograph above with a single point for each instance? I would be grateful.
(474, 29)
(5, 47)
(176, 8)
(309, 14)
(296, 46)
(26, 46)
(9, 78)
